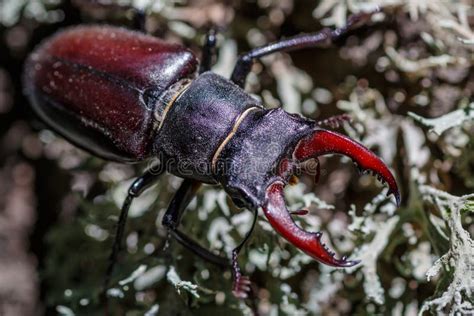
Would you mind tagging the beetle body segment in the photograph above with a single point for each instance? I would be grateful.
(102, 87)
(251, 160)
(198, 122)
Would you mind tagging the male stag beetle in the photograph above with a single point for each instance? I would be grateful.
(126, 96)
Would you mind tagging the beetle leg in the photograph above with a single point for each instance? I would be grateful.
(136, 189)
(172, 218)
(139, 20)
(321, 38)
(241, 286)
(208, 50)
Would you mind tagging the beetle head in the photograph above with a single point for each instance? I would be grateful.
(262, 157)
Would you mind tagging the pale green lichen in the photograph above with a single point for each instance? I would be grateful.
(420, 66)
(458, 262)
(290, 303)
(135, 274)
(453, 119)
(153, 311)
(149, 277)
(180, 285)
(369, 252)
(64, 311)
(43, 11)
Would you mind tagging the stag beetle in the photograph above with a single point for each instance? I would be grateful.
(125, 96)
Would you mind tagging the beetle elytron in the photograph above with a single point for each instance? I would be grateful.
(126, 96)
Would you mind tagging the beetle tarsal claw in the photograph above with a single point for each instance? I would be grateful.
(323, 142)
(242, 287)
(280, 218)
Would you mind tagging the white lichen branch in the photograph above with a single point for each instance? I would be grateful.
(458, 298)
(440, 124)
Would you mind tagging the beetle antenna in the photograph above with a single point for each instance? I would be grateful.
(335, 121)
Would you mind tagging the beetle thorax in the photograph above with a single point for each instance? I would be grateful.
(197, 122)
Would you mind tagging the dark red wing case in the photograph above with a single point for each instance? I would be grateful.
(99, 86)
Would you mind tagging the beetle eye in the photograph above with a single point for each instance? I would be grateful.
(238, 197)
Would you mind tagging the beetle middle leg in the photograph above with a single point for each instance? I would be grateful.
(137, 188)
(172, 218)
(321, 38)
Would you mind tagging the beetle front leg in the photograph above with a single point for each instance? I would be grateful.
(136, 189)
(172, 218)
(321, 38)
(241, 286)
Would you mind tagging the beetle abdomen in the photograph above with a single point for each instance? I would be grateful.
(99, 86)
